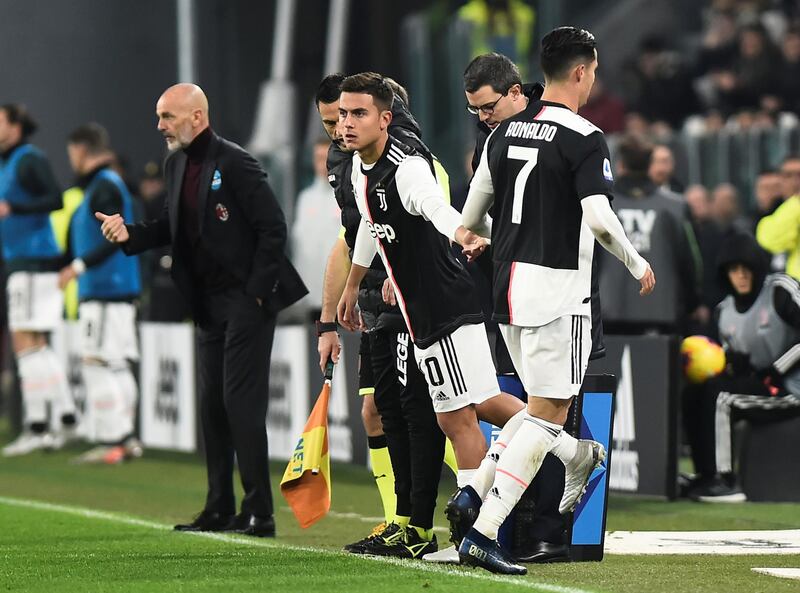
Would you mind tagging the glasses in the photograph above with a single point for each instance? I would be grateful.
(487, 108)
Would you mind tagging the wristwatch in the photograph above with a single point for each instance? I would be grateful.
(324, 327)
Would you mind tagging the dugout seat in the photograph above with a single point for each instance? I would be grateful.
(769, 461)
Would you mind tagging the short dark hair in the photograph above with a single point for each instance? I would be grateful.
(635, 154)
(496, 70)
(564, 47)
(329, 89)
(399, 90)
(17, 113)
(93, 136)
(792, 156)
(373, 84)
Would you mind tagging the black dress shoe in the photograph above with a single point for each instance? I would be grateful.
(206, 521)
(248, 524)
(542, 552)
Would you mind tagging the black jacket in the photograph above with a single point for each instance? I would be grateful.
(241, 225)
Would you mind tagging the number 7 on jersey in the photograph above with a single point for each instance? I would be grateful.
(530, 156)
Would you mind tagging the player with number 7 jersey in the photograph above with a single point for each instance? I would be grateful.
(542, 161)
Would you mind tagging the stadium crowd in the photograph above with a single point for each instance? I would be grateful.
(722, 267)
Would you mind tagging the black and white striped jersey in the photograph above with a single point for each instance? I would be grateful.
(407, 220)
(540, 164)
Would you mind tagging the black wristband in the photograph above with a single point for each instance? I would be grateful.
(324, 327)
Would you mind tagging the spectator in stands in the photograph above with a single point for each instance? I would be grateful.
(658, 86)
(709, 238)
(718, 47)
(751, 80)
(502, 26)
(161, 300)
(779, 232)
(316, 225)
(768, 193)
(790, 71)
(662, 169)
(759, 327)
(726, 209)
(604, 109)
(654, 221)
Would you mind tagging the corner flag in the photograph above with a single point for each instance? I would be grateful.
(306, 483)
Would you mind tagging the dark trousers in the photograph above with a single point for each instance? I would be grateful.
(415, 441)
(234, 348)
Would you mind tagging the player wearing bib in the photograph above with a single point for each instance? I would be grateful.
(108, 283)
(28, 193)
(405, 219)
(547, 174)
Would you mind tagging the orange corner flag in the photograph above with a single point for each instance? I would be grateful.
(306, 483)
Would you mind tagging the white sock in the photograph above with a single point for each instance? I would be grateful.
(34, 383)
(464, 477)
(565, 447)
(484, 475)
(515, 470)
(130, 390)
(108, 418)
(60, 393)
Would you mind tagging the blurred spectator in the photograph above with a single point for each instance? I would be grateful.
(502, 26)
(636, 125)
(779, 232)
(604, 109)
(750, 81)
(316, 226)
(726, 209)
(790, 71)
(718, 47)
(768, 193)
(709, 238)
(161, 300)
(662, 169)
(658, 85)
(654, 221)
(152, 190)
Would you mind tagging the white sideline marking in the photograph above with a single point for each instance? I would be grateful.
(744, 543)
(262, 543)
(782, 573)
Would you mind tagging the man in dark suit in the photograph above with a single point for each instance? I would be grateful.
(228, 237)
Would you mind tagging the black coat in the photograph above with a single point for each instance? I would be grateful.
(240, 221)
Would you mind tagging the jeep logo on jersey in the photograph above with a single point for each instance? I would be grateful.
(381, 231)
(382, 198)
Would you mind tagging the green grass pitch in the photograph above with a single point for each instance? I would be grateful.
(109, 529)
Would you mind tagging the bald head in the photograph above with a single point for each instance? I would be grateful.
(182, 112)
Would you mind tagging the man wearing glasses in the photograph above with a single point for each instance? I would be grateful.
(780, 231)
(494, 92)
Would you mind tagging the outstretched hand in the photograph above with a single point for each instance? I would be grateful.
(472, 243)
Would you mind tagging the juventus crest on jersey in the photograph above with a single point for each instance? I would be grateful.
(434, 291)
(540, 164)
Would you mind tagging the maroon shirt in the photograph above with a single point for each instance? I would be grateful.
(195, 154)
(209, 275)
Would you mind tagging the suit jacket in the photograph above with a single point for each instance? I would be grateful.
(240, 222)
